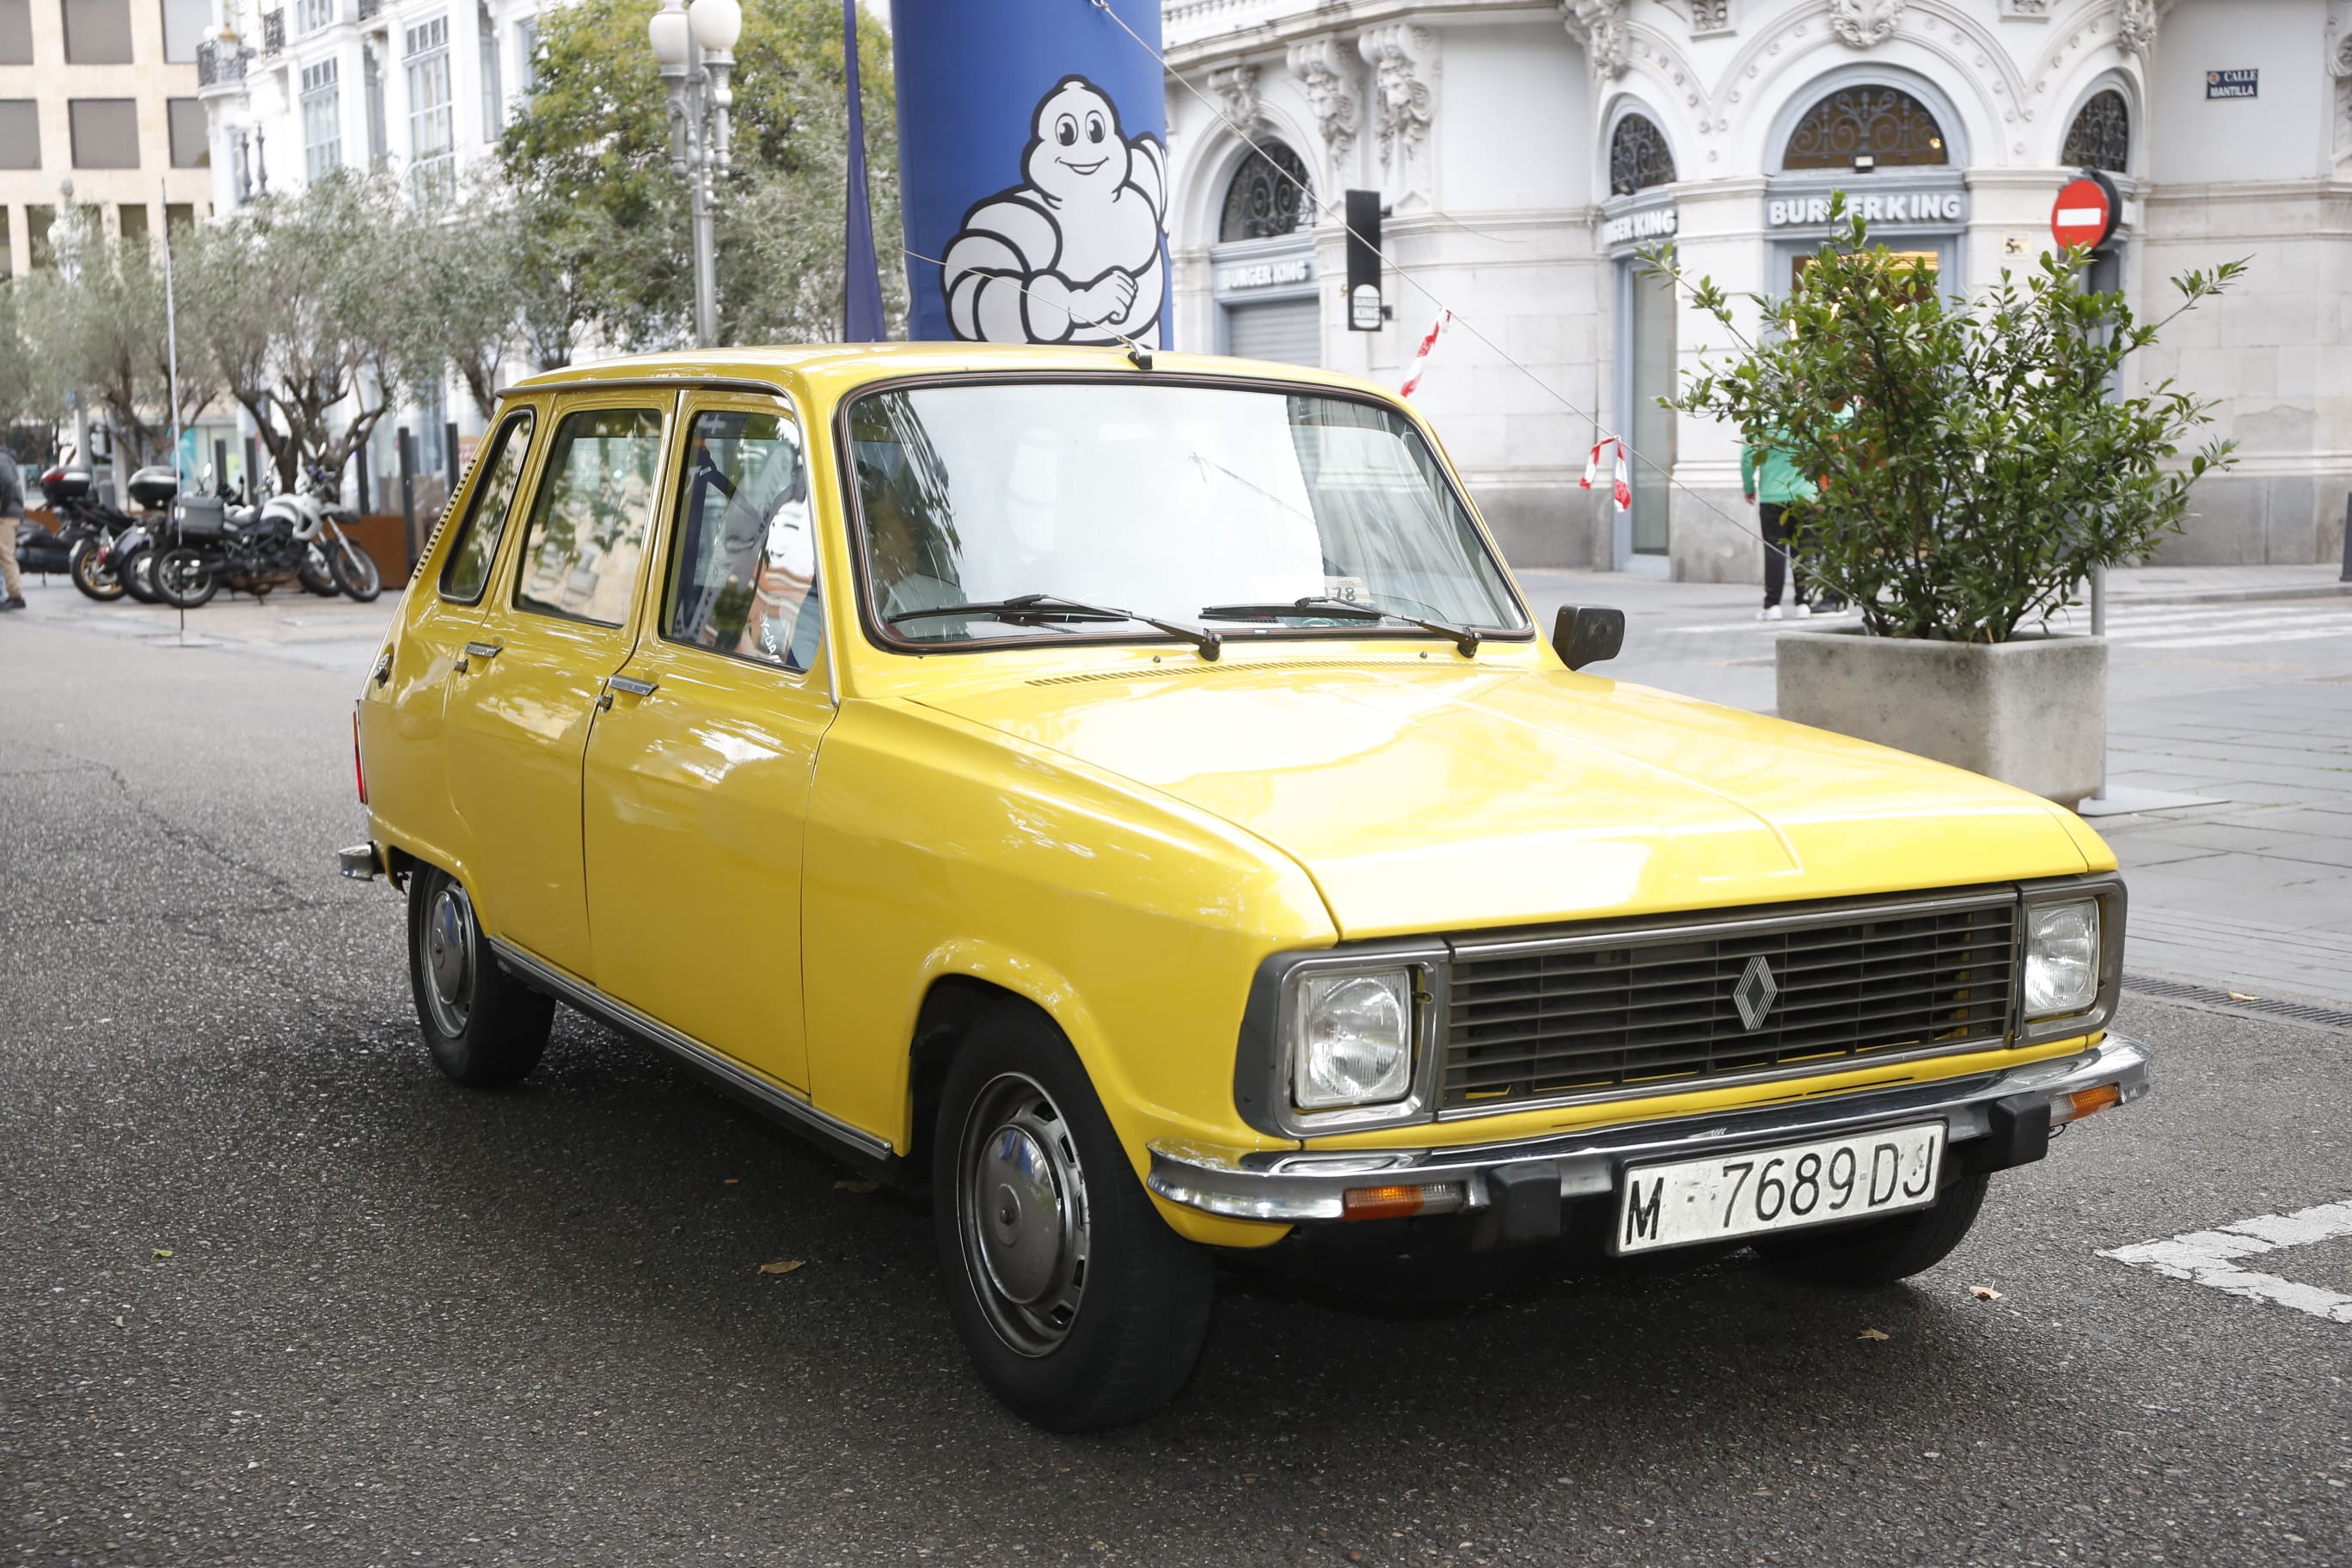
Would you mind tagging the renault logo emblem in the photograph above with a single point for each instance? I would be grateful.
(1753, 995)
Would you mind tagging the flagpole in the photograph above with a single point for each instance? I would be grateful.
(861, 282)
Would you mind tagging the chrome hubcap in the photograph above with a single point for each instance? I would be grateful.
(450, 958)
(1023, 1212)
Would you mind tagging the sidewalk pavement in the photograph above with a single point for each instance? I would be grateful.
(2230, 716)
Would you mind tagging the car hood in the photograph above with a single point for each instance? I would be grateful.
(1444, 797)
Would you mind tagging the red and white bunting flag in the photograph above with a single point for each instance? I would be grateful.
(1619, 487)
(1421, 355)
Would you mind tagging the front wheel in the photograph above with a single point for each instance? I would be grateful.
(485, 1028)
(1881, 1251)
(1080, 1308)
(315, 575)
(186, 580)
(92, 574)
(355, 571)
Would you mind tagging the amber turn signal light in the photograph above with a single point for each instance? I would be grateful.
(2090, 1101)
(1400, 1202)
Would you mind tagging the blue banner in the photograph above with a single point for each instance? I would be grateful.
(1033, 169)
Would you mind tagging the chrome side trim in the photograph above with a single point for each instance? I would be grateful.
(1300, 1187)
(723, 1069)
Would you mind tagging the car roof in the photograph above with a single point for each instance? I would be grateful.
(838, 368)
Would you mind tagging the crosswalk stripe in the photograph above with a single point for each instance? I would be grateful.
(2305, 634)
(2243, 624)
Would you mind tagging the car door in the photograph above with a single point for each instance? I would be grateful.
(521, 708)
(403, 737)
(698, 773)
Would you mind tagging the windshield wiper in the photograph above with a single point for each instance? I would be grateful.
(1034, 608)
(1464, 639)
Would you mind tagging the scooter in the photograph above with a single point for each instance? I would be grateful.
(88, 525)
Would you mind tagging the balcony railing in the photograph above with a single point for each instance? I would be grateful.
(370, 9)
(218, 64)
(273, 31)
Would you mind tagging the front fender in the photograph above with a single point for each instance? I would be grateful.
(936, 846)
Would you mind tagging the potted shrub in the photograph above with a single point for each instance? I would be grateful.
(1975, 463)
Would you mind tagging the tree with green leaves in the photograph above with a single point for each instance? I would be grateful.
(588, 163)
(1974, 460)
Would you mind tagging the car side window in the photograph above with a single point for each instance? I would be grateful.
(588, 522)
(742, 567)
(475, 545)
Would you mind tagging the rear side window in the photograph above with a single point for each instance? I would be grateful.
(742, 569)
(587, 534)
(478, 532)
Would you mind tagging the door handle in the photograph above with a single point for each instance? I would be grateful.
(474, 650)
(628, 683)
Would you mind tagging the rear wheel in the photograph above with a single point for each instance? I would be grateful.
(355, 571)
(137, 570)
(184, 579)
(92, 575)
(1080, 1308)
(1881, 1251)
(485, 1028)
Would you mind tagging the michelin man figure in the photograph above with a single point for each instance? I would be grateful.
(1073, 254)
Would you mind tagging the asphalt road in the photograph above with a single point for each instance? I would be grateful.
(271, 1292)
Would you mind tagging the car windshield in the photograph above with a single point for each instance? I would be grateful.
(1216, 506)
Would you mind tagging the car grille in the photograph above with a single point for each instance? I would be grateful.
(1657, 1008)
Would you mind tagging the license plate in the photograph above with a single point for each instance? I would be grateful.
(1757, 1191)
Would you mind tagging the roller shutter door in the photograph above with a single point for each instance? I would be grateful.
(1287, 329)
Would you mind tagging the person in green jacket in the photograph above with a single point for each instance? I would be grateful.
(1767, 474)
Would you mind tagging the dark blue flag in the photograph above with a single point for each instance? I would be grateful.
(861, 284)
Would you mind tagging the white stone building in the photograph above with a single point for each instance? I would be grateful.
(1524, 151)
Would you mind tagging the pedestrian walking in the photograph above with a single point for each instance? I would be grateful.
(1767, 474)
(12, 518)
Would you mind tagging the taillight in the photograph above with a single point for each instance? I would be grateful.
(359, 769)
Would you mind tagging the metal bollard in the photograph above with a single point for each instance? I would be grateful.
(2346, 577)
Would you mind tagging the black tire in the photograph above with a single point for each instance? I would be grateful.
(1881, 1251)
(137, 571)
(355, 571)
(184, 579)
(315, 575)
(1080, 1308)
(95, 578)
(485, 1028)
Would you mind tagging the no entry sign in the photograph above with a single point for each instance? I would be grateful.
(2086, 211)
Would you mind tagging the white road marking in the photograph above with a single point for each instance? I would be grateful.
(2210, 1258)
(2286, 623)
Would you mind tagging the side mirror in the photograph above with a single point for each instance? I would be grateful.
(1587, 634)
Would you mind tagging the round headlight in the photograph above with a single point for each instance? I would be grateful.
(2061, 959)
(1354, 1040)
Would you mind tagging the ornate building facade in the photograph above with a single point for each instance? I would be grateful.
(1524, 151)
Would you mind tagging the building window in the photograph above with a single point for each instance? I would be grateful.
(432, 126)
(38, 221)
(322, 121)
(527, 54)
(1638, 156)
(2100, 137)
(105, 132)
(184, 22)
(131, 222)
(7, 265)
(20, 134)
(309, 15)
(1885, 126)
(494, 98)
(98, 32)
(1269, 195)
(15, 32)
(179, 217)
(192, 146)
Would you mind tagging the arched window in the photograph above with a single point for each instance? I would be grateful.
(2100, 137)
(1883, 125)
(1638, 156)
(1269, 195)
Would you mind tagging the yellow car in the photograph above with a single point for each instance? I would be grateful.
(1126, 794)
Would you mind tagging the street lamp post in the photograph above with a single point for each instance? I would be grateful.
(696, 49)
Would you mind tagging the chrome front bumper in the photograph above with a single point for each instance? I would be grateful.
(1304, 1187)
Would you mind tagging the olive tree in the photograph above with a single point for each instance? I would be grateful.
(1975, 459)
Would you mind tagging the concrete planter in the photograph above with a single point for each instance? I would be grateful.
(2031, 712)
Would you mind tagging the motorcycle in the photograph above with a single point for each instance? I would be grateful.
(246, 549)
(316, 516)
(38, 550)
(132, 552)
(88, 525)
